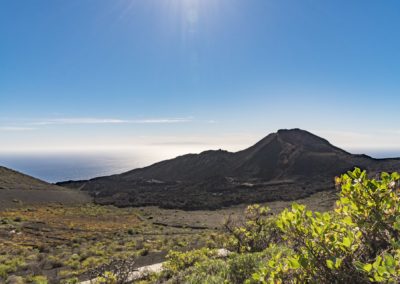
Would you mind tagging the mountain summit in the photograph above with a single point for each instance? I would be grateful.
(292, 154)
(285, 165)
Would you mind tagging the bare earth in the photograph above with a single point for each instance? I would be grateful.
(18, 190)
(214, 219)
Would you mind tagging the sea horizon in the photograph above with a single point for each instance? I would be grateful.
(60, 166)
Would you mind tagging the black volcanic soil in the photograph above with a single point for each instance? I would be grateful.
(17, 189)
(287, 165)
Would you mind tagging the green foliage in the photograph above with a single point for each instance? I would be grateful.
(73, 280)
(242, 266)
(373, 207)
(93, 262)
(76, 240)
(9, 264)
(210, 271)
(256, 233)
(202, 267)
(107, 278)
(177, 261)
(39, 279)
(356, 243)
(237, 269)
(4, 270)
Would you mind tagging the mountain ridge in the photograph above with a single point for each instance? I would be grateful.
(285, 165)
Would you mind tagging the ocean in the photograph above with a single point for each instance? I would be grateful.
(56, 167)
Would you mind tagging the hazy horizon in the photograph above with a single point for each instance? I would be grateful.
(90, 89)
(191, 75)
(76, 164)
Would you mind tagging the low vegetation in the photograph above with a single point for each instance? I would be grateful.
(59, 244)
(355, 242)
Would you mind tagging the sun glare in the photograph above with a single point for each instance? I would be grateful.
(188, 10)
(193, 13)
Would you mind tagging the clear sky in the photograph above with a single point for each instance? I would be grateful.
(197, 74)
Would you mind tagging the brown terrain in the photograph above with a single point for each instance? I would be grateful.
(17, 189)
(57, 233)
(284, 166)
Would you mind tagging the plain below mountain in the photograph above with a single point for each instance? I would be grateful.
(286, 165)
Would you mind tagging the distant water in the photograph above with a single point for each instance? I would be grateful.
(75, 166)
(61, 167)
(379, 154)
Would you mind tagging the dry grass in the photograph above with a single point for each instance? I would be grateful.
(63, 242)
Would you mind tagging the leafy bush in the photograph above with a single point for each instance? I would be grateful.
(10, 264)
(178, 261)
(39, 279)
(237, 269)
(117, 271)
(4, 270)
(210, 271)
(356, 243)
(242, 266)
(199, 267)
(107, 278)
(73, 280)
(255, 233)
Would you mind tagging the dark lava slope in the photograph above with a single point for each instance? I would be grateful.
(18, 189)
(286, 165)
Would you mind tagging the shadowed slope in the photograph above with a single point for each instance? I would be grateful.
(285, 165)
(17, 189)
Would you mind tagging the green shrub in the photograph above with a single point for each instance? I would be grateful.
(203, 266)
(10, 264)
(4, 270)
(256, 233)
(73, 261)
(73, 280)
(243, 266)
(210, 271)
(177, 261)
(39, 279)
(107, 278)
(356, 243)
(93, 262)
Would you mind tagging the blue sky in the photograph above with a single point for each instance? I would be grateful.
(197, 74)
